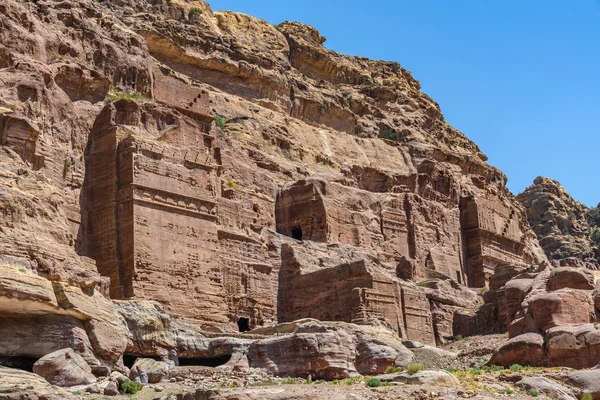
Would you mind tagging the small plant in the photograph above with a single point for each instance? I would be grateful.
(288, 381)
(596, 326)
(131, 387)
(509, 391)
(265, 383)
(230, 184)
(22, 270)
(458, 337)
(373, 382)
(336, 382)
(516, 367)
(67, 166)
(533, 393)
(353, 380)
(577, 342)
(586, 396)
(475, 371)
(195, 12)
(388, 134)
(392, 369)
(413, 368)
(115, 94)
(450, 369)
(277, 26)
(220, 121)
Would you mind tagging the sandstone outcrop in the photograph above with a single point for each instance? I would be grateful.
(16, 384)
(558, 308)
(559, 221)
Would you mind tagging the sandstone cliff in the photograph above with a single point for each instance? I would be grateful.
(330, 187)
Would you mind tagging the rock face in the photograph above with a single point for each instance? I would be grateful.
(330, 187)
(559, 221)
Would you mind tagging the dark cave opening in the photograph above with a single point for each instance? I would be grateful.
(205, 361)
(243, 324)
(297, 233)
(129, 359)
(24, 363)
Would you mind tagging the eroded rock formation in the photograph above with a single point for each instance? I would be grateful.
(559, 221)
(332, 189)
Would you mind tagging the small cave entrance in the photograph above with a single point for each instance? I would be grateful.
(297, 233)
(243, 324)
(205, 361)
(24, 363)
(129, 359)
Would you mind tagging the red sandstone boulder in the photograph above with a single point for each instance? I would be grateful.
(321, 356)
(573, 346)
(548, 387)
(561, 307)
(574, 278)
(16, 384)
(64, 368)
(588, 381)
(526, 349)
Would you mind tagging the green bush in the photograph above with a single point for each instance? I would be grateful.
(220, 121)
(475, 371)
(288, 381)
(388, 134)
(516, 367)
(373, 382)
(587, 396)
(413, 368)
(117, 94)
(195, 12)
(450, 369)
(131, 387)
(509, 391)
(393, 369)
(533, 393)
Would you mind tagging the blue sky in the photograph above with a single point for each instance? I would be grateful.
(521, 78)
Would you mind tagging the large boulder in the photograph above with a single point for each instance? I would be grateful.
(573, 346)
(587, 381)
(325, 355)
(526, 349)
(427, 377)
(153, 369)
(64, 368)
(562, 307)
(16, 384)
(574, 278)
(548, 387)
(327, 350)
